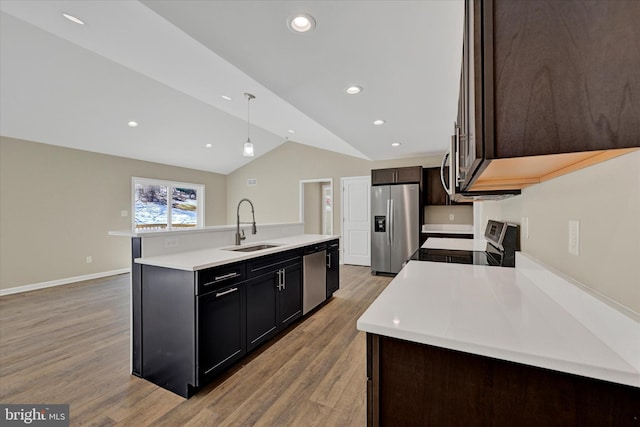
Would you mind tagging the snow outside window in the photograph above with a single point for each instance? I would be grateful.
(166, 205)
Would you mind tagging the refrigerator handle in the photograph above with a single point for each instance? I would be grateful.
(391, 224)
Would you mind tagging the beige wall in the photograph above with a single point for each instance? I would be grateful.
(440, 214)
(605, 198)
(57, 205)
(313, 208)
(277, 195)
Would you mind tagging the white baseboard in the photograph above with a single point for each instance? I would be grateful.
(59, 282)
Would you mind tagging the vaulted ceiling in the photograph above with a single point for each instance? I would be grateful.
(167, 63)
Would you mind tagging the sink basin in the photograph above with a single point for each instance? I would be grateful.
(252, 248)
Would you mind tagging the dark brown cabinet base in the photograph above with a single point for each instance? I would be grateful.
(412, 384)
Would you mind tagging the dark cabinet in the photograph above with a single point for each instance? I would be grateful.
(290, 294)
(274, 296)
(221, 329)
(333, 267)
(412, 384)
(546, 78)
(262, 316)
(435, 194)
(194, 325)
(405, 175)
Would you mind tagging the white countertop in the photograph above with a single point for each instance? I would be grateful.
(448, 228)
(503, 313)
(212, 257)
(455, 244)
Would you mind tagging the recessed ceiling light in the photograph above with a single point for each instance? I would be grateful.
(132, 124)
(396, 144)
(291, 131)
(73, 19)
(378, 122)
(302, 22)
(353, 90)
(226, 97)
(209, 145)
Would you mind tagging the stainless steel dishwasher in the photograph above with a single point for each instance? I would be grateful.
(314, 284)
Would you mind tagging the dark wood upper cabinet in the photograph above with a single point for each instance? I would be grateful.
(407, 175)
(435, 194)
(544, 78)
(383, 176)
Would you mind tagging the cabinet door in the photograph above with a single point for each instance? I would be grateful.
(568, 73)
(383, 176)
(436, 195)
(333, 270)
(221, 329)
(290, 294)
(262, 320)
(409, 175)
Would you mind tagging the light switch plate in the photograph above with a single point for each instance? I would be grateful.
(574, 238)
(124, 213)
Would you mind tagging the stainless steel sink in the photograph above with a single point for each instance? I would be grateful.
(253, 248)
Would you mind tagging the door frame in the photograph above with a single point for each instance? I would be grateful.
(301, 198)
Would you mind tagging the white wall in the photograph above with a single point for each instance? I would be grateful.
(605, 198)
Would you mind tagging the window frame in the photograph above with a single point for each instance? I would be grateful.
(200, 192)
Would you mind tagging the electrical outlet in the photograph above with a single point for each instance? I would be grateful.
(89, 259)
(525, 227)
(574, 238)
(451, 217)
(171, 243)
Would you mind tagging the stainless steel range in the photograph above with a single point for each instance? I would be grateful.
(503, 240)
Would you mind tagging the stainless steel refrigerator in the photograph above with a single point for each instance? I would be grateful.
(395, 226)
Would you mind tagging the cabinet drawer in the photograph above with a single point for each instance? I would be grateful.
(266, 264)
(215, 278)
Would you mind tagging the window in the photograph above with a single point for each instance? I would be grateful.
(166, 205)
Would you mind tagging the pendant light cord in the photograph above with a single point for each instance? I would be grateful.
(249, 98)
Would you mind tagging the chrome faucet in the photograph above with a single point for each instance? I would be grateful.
(254, 230)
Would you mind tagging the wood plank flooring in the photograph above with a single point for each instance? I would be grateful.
(70, 344)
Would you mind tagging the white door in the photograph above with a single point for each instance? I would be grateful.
(356, 217)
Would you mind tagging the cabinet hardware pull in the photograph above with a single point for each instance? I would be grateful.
(226, 276)
(329, 258)
(284, 279)
(228, 291)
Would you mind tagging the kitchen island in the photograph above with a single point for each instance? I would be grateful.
(196, 313)
(453, 344)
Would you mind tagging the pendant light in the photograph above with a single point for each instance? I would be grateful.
(248, 146)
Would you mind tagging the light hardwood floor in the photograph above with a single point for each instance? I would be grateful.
(70, 345)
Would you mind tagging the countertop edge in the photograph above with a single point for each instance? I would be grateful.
(595, 372)
(212, 228)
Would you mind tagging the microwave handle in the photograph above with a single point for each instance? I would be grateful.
(451, 153)
(455, 160)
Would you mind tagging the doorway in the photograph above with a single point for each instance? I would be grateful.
(316, 205)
